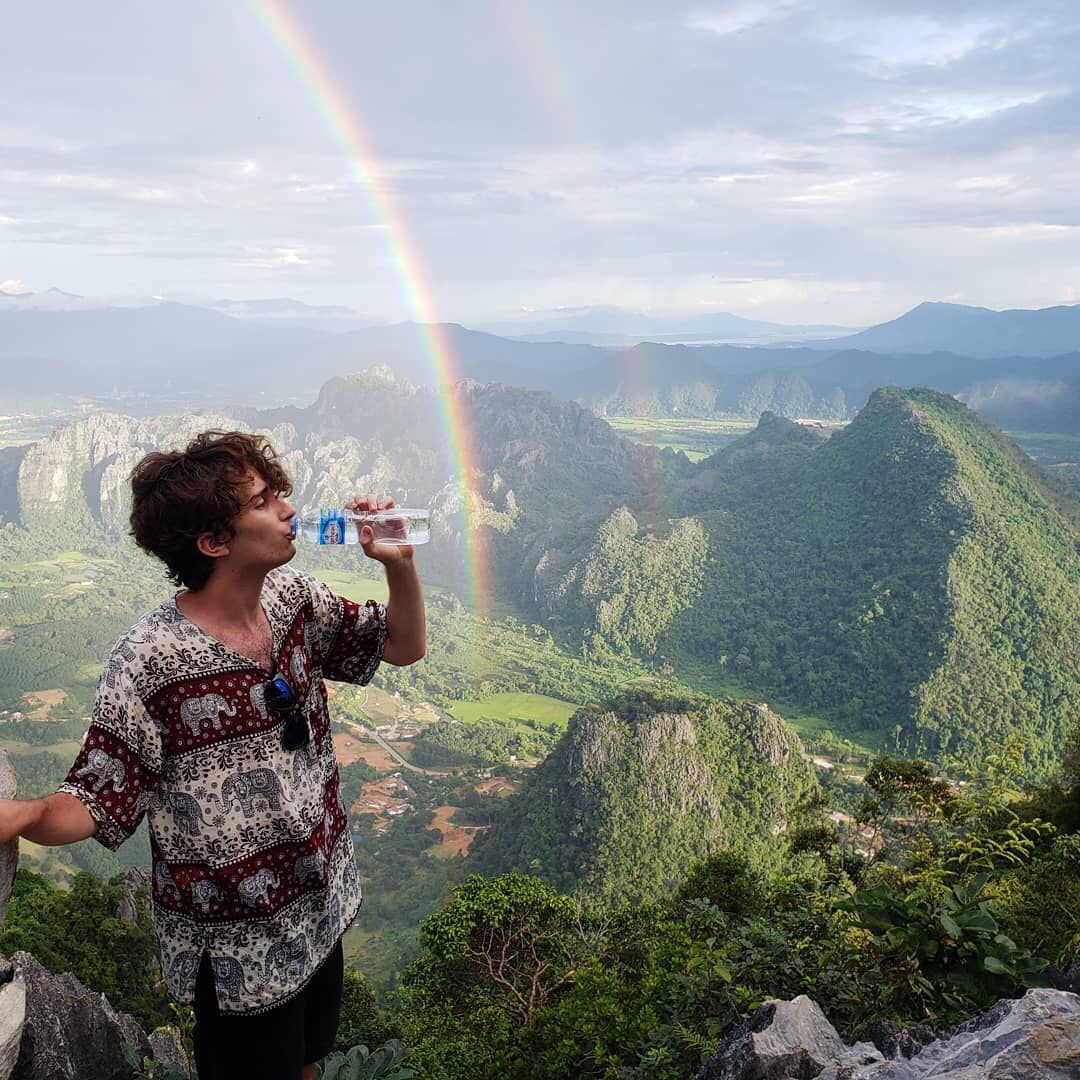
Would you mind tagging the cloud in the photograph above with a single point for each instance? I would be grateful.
(900, 41)
(790, 158)
(734, 18)
(275, 259)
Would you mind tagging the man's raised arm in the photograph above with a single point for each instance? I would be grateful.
(56, 819)
(406, 631)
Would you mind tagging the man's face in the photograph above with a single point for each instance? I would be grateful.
(262, 537)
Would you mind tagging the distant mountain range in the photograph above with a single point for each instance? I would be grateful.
(929, 327)
(276, 311)
(585, 325)
(616, 326)
(280, 351)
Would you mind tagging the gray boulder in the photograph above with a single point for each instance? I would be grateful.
(781, 1041)
(70, 1032)
(136, 895)
(12, 1018)
(169, 1049)
(896, 1040)
(1036, 1037)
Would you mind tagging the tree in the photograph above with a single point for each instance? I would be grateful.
(362, 1021)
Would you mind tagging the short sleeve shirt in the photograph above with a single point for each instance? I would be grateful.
(252, 855)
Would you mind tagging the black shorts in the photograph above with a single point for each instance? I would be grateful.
(271, 1045)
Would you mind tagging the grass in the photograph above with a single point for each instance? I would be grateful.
(695, 438)
(353, 586)
(516, 707)
(66, 748)
(51, 862)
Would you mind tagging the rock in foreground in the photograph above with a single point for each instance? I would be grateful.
(1036, 1037)
(69, 1031)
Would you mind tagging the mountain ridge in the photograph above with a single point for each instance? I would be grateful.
(938, 326)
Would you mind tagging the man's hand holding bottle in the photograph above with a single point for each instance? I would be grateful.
(390, 546)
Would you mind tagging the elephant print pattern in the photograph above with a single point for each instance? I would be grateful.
(195, 710)
(163, 879)
(248, 788)
(228, 975)
(257, 697)
(286, 956)
(253, 855)
(202, 892)
(309, 867)
(254, 890)
(104, 770)
(186, 811)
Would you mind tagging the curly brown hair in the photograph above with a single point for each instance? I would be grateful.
(178, 495)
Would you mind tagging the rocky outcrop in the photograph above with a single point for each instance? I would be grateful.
(12, 1019)
(1036, 1037)
(53, 1027)
(136, 895)
(84, 466)
(784, 1039)
(169, 1049)
(68, 1030)
(769, 735)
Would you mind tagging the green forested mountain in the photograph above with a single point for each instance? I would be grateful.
(913, 576)
(910, 574)
(642, 786)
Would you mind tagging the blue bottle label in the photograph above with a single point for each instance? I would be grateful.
(331, 526)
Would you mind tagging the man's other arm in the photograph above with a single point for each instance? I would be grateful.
(56, 819)
(406, 632)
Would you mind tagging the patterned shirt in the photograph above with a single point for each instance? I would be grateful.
(252, 854)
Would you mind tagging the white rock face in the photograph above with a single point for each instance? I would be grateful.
(12, 1018)
(102, 448)
(1034, 1038)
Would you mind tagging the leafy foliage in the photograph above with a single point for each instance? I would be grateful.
(911, 574)
(362, 1022)
(360, 1063)
(79, 931)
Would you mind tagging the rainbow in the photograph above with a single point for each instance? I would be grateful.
(339, 119)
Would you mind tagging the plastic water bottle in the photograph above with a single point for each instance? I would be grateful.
(337, 525)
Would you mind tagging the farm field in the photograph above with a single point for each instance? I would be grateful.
(1059, 454)
(516, 707)
(697, 438)
(456, 838)
(352, 586)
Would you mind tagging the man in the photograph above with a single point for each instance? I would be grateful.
(211, 718)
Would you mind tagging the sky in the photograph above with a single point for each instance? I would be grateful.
(832, 162)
